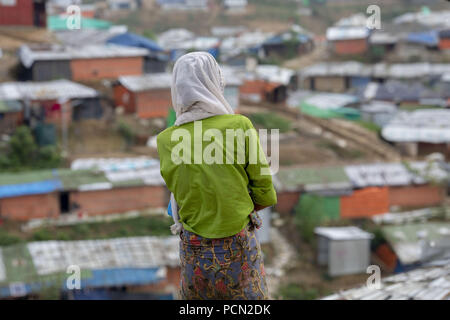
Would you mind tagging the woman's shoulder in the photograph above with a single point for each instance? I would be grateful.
(238, 120)
(165, 134)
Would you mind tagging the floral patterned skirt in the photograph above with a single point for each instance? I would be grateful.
(230, 268)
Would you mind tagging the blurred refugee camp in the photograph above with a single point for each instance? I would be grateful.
(360, 93)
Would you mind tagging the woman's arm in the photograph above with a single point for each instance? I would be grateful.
(258, 207)
(260, 185)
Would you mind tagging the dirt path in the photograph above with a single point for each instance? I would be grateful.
(285, 254)
(318, 54)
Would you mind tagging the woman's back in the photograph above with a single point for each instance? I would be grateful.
(210, 166)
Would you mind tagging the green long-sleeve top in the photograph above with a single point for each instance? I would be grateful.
(215, 194)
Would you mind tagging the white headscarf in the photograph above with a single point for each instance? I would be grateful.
(197, 88)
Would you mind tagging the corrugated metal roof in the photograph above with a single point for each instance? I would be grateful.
(234, 76)
(419, 215)
(430, 19)
(426, 283)
(381, 70)
(227, 31)
(358, 19)
(383, 37)
(343, 233)
(46, 90)
(313, 179)
(274, 74)
(136, 252)
(346, 68)
(397, 91)
(147, 81)
(394, 174)
(113, 164)
(120, 171)
(347, 33)
(86, 174)
(379, 107)
(359, 176)
(26, 268)
(431, 126)
(409, 241)
(28, 55)
(171, 38)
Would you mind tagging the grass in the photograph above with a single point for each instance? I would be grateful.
(416, 107)
(369, 126)
(7, 238)
(135, 227)
(343, 153)
(270, 121)
(293, 291)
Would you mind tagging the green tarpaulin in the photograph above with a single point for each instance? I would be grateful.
(171, 118)
(319, 208)
(346, 113)
(60, 23)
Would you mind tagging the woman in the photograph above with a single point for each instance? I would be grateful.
(217, 202)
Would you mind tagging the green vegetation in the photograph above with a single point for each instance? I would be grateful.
(270, 121)
(149, 34)
(7, 239)
(369, 126)
(293, 291)
(134, 227)
(23, 153)
(127, 133)
(416, 107)
(344, 153)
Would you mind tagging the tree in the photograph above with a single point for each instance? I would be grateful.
(22, 153)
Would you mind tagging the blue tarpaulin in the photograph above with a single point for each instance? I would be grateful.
(428, 38)
(22, 189)
(106, 294)
(120, 277)
(134, 40)
(101, 278)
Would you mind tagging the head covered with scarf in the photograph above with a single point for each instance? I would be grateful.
(197, 88)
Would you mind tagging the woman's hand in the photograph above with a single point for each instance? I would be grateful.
(258, 207)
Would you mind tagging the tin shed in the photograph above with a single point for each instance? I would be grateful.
(345, 250)
(263, 233)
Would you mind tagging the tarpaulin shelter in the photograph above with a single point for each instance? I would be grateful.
(426, 38)
(56, 23)
(322, 208)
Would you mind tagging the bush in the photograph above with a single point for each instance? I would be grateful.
(22, 153)
(7, 239)
(369, 126)
(270, 121)
(43, 235)
(127, 133)
(296, 292)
